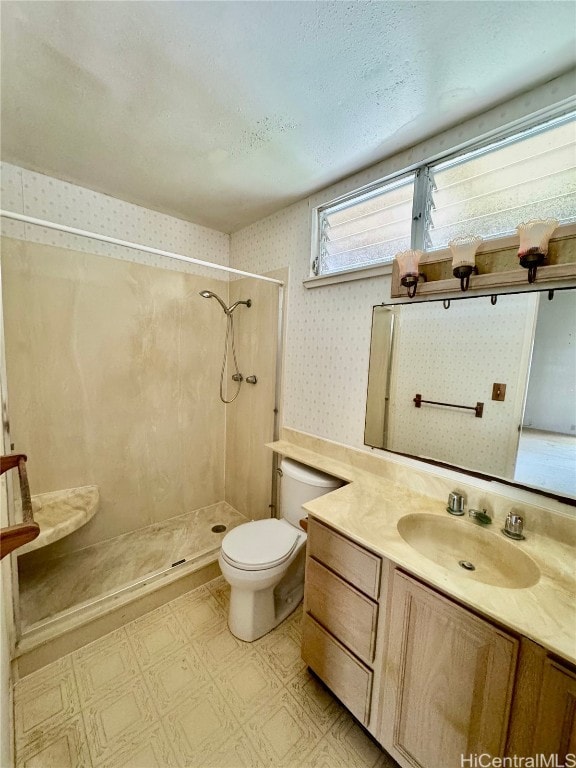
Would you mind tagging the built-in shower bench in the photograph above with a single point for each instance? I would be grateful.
(59, 513)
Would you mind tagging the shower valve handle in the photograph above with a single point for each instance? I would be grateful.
(251, 379)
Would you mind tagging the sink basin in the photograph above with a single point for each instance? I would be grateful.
(457, 544)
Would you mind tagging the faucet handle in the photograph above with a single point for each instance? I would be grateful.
(514, 526)
(455, 503)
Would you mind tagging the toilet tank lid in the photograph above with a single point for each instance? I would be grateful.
(308, 475)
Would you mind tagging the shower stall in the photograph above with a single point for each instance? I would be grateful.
(123, 380)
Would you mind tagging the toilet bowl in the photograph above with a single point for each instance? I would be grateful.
(263, 560)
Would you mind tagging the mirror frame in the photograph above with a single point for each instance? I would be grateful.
(569, 500)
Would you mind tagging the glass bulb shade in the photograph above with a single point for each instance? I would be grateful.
(408, 262)
(463, 250)
(535, 234)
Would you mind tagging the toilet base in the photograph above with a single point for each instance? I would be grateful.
(254, 613)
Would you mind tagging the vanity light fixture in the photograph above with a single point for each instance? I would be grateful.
(463, 251)
(408, 267)
(534, 237)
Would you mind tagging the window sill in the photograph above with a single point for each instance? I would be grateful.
(361, 273)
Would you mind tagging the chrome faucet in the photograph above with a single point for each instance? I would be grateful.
(480, 516)
(514, 526)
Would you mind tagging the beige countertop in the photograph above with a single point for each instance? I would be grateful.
(368, 509)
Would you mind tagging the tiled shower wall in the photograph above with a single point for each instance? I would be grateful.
(112, 381)
(121, 359)
(328, 333)
(250, 418)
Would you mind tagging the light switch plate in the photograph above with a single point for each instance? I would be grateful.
(498, 391)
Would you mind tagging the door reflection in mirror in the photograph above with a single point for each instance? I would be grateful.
(457, 356)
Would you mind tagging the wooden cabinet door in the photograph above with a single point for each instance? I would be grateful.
(447, 683)
(555, 731)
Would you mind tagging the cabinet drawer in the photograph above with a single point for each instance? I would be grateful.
(347, 613)
(354, 563)
(347, 677)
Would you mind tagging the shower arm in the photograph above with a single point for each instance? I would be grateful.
(227, 310)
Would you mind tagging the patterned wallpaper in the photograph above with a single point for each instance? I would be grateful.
(328, 328)
(46, 198)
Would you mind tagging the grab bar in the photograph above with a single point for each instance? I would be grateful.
(14, 536)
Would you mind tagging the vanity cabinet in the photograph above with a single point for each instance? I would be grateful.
(555, 727)
(341, 613)
(429, 679)
(544, 710)
(448, 680)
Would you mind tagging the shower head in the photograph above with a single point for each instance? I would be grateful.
(210, 295)
(227, 310)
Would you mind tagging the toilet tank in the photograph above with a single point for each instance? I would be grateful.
(301, 484)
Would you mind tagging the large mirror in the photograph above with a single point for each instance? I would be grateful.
(483, 385)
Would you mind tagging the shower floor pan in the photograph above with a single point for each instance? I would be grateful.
(72, 589)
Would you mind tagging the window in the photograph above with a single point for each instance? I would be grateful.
(489, 191)
(366, 229)
(486, 191)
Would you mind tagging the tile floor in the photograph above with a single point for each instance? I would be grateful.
(175, 688)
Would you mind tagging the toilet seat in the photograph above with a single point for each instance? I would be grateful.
(260, 545)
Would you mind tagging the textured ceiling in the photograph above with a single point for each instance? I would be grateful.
(223, 112)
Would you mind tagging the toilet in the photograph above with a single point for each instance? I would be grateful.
(263, 561)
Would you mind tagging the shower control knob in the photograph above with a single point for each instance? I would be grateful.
(251, 379)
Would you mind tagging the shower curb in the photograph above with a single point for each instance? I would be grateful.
(47, 644)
